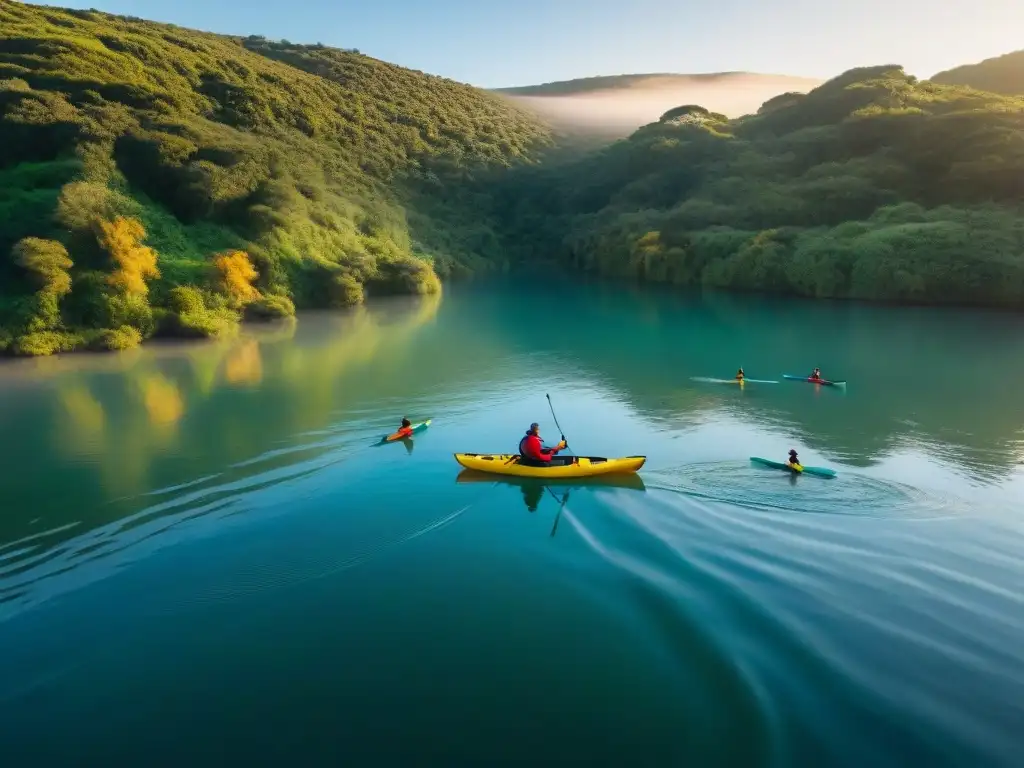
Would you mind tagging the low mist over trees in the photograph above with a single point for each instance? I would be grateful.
(872, 186)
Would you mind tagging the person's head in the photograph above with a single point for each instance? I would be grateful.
(741, 369)
(792, 453)
(406, 422)
(534, 429)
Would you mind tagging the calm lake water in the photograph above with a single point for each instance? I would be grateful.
(203, 561)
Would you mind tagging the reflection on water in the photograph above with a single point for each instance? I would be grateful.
(179, 516)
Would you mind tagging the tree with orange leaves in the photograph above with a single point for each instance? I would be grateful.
(122, 239)
(235, 274)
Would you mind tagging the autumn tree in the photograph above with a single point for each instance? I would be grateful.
(122, 239)
(235, 275)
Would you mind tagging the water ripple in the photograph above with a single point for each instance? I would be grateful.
(849, 494)
(268, 571)
(805, 603)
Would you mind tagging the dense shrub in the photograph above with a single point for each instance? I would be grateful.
(270, 308)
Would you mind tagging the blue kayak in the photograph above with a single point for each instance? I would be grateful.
(816, 471)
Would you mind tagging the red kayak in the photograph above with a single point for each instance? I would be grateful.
(809, 380)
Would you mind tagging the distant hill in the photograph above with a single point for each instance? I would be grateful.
(873, 186)
(1002, 74)
(614, 106)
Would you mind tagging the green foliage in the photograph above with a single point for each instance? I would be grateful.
(42, 343)
(1002, 74)
(195, 314)
(117, 339)
(404, 275)
(311, 160)
(47, 263)
(130, 311)
(345, 291)
(270, 308)
(872, 186)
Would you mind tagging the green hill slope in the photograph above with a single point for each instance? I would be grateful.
(1002, 74)
(137, 158)
(872, 186)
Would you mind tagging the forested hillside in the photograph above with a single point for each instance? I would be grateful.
(872, 186)
(156, 180)
(160, 181)
(1002, 74)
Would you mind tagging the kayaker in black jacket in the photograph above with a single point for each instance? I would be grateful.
(404, 432)
(794, 460)
(815, 375)
(739, 375)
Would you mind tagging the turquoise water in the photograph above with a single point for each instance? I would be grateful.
(205, 561)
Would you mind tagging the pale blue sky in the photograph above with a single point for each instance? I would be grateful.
(494, 44)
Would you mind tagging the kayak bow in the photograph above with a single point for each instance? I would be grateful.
(816, 471)
(809, 380)
(560, 466)
(395, 437)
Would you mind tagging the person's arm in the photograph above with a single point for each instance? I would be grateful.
(556, 449)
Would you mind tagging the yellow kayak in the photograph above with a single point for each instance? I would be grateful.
(560, 467)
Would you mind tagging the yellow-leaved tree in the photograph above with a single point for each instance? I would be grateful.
(136, 263)
(235, 275)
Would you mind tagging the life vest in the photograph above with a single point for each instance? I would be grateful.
(522, 445)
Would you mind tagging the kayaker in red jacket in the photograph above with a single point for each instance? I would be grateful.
(532, 447)
(405, 431)
(815, 375)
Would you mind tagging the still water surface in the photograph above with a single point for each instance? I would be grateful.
(203, 561)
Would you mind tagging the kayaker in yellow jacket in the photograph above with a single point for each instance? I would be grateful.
(739, 375)
(794, 461)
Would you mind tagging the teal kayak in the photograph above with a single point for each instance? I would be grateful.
(816, 471)
(395, 438)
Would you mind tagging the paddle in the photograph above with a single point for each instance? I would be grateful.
(561, 506)
(552, 407)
